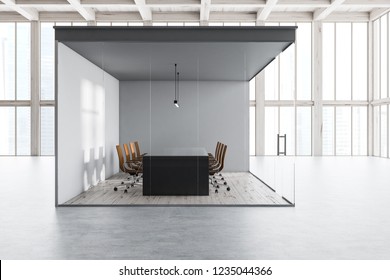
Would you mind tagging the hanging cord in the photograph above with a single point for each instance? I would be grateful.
(178, 87)
(175, 82)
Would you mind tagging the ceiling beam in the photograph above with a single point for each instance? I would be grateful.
(205, 10)
(181, 16)
(60, 16)
(290, 16)
(348, 16)
(11, 16)
(368, 3)
(118, 16)
(377, 13)
(144, 10)
(321, 14)
(41, 2)
(28, 13)
(105, 2)
(263, 14)
(232, 16)
(86, 13)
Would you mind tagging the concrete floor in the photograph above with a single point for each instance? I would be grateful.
(342, 212)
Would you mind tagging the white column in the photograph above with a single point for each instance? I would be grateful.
(317, 89)
(260, 109)
(35, 89)
(370, 96)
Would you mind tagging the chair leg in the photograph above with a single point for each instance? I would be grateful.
(217, 182)
(127, 184)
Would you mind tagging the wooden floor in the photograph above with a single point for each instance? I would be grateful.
(245, 189)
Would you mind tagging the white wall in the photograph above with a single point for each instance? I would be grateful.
(209, 112)
(88, 117)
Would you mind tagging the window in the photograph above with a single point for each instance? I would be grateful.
(287, 71)
(304, 61)
(271, 129)
(23, 49)
(344, 78)
(381, 76)
(15, 89)
(377, 129)
(47, 110)
(383, 56)
(343, 131)
(252, 130)
(47, 131)
(328, 61)
(359, 130)
(359, 61)
(343, 61)
(47, 61)
(287, 127)
(328, 131)
(383, 129)
(15, 61)
(7, 129)
(23, 128)
(303, 137)
(272, 81)
(15, 127)
(7, 61)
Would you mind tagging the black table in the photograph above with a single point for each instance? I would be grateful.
(176, 171)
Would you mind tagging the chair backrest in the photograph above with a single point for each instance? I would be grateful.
(137, 149)
(132, 148)
(127, 152)
(120, 157)
(222, 159)
(218, 151)
(216, 148)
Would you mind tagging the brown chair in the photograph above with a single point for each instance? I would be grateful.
(127, 151)
(218, 149)
(133, 155)
(213, 157)
(138, 151)
(215, 161)
(128, 167)
(133, 151)
(218, 167)
(136, 160)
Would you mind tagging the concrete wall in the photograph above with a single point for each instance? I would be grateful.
(209, 112)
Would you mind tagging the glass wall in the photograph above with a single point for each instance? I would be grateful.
(148, 115)
(288, 95)
(252, 117)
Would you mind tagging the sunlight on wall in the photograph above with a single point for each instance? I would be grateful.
(92, 102)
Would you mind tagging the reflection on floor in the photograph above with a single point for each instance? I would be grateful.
(245, 189)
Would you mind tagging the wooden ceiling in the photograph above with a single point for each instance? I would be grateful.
(193, 10)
